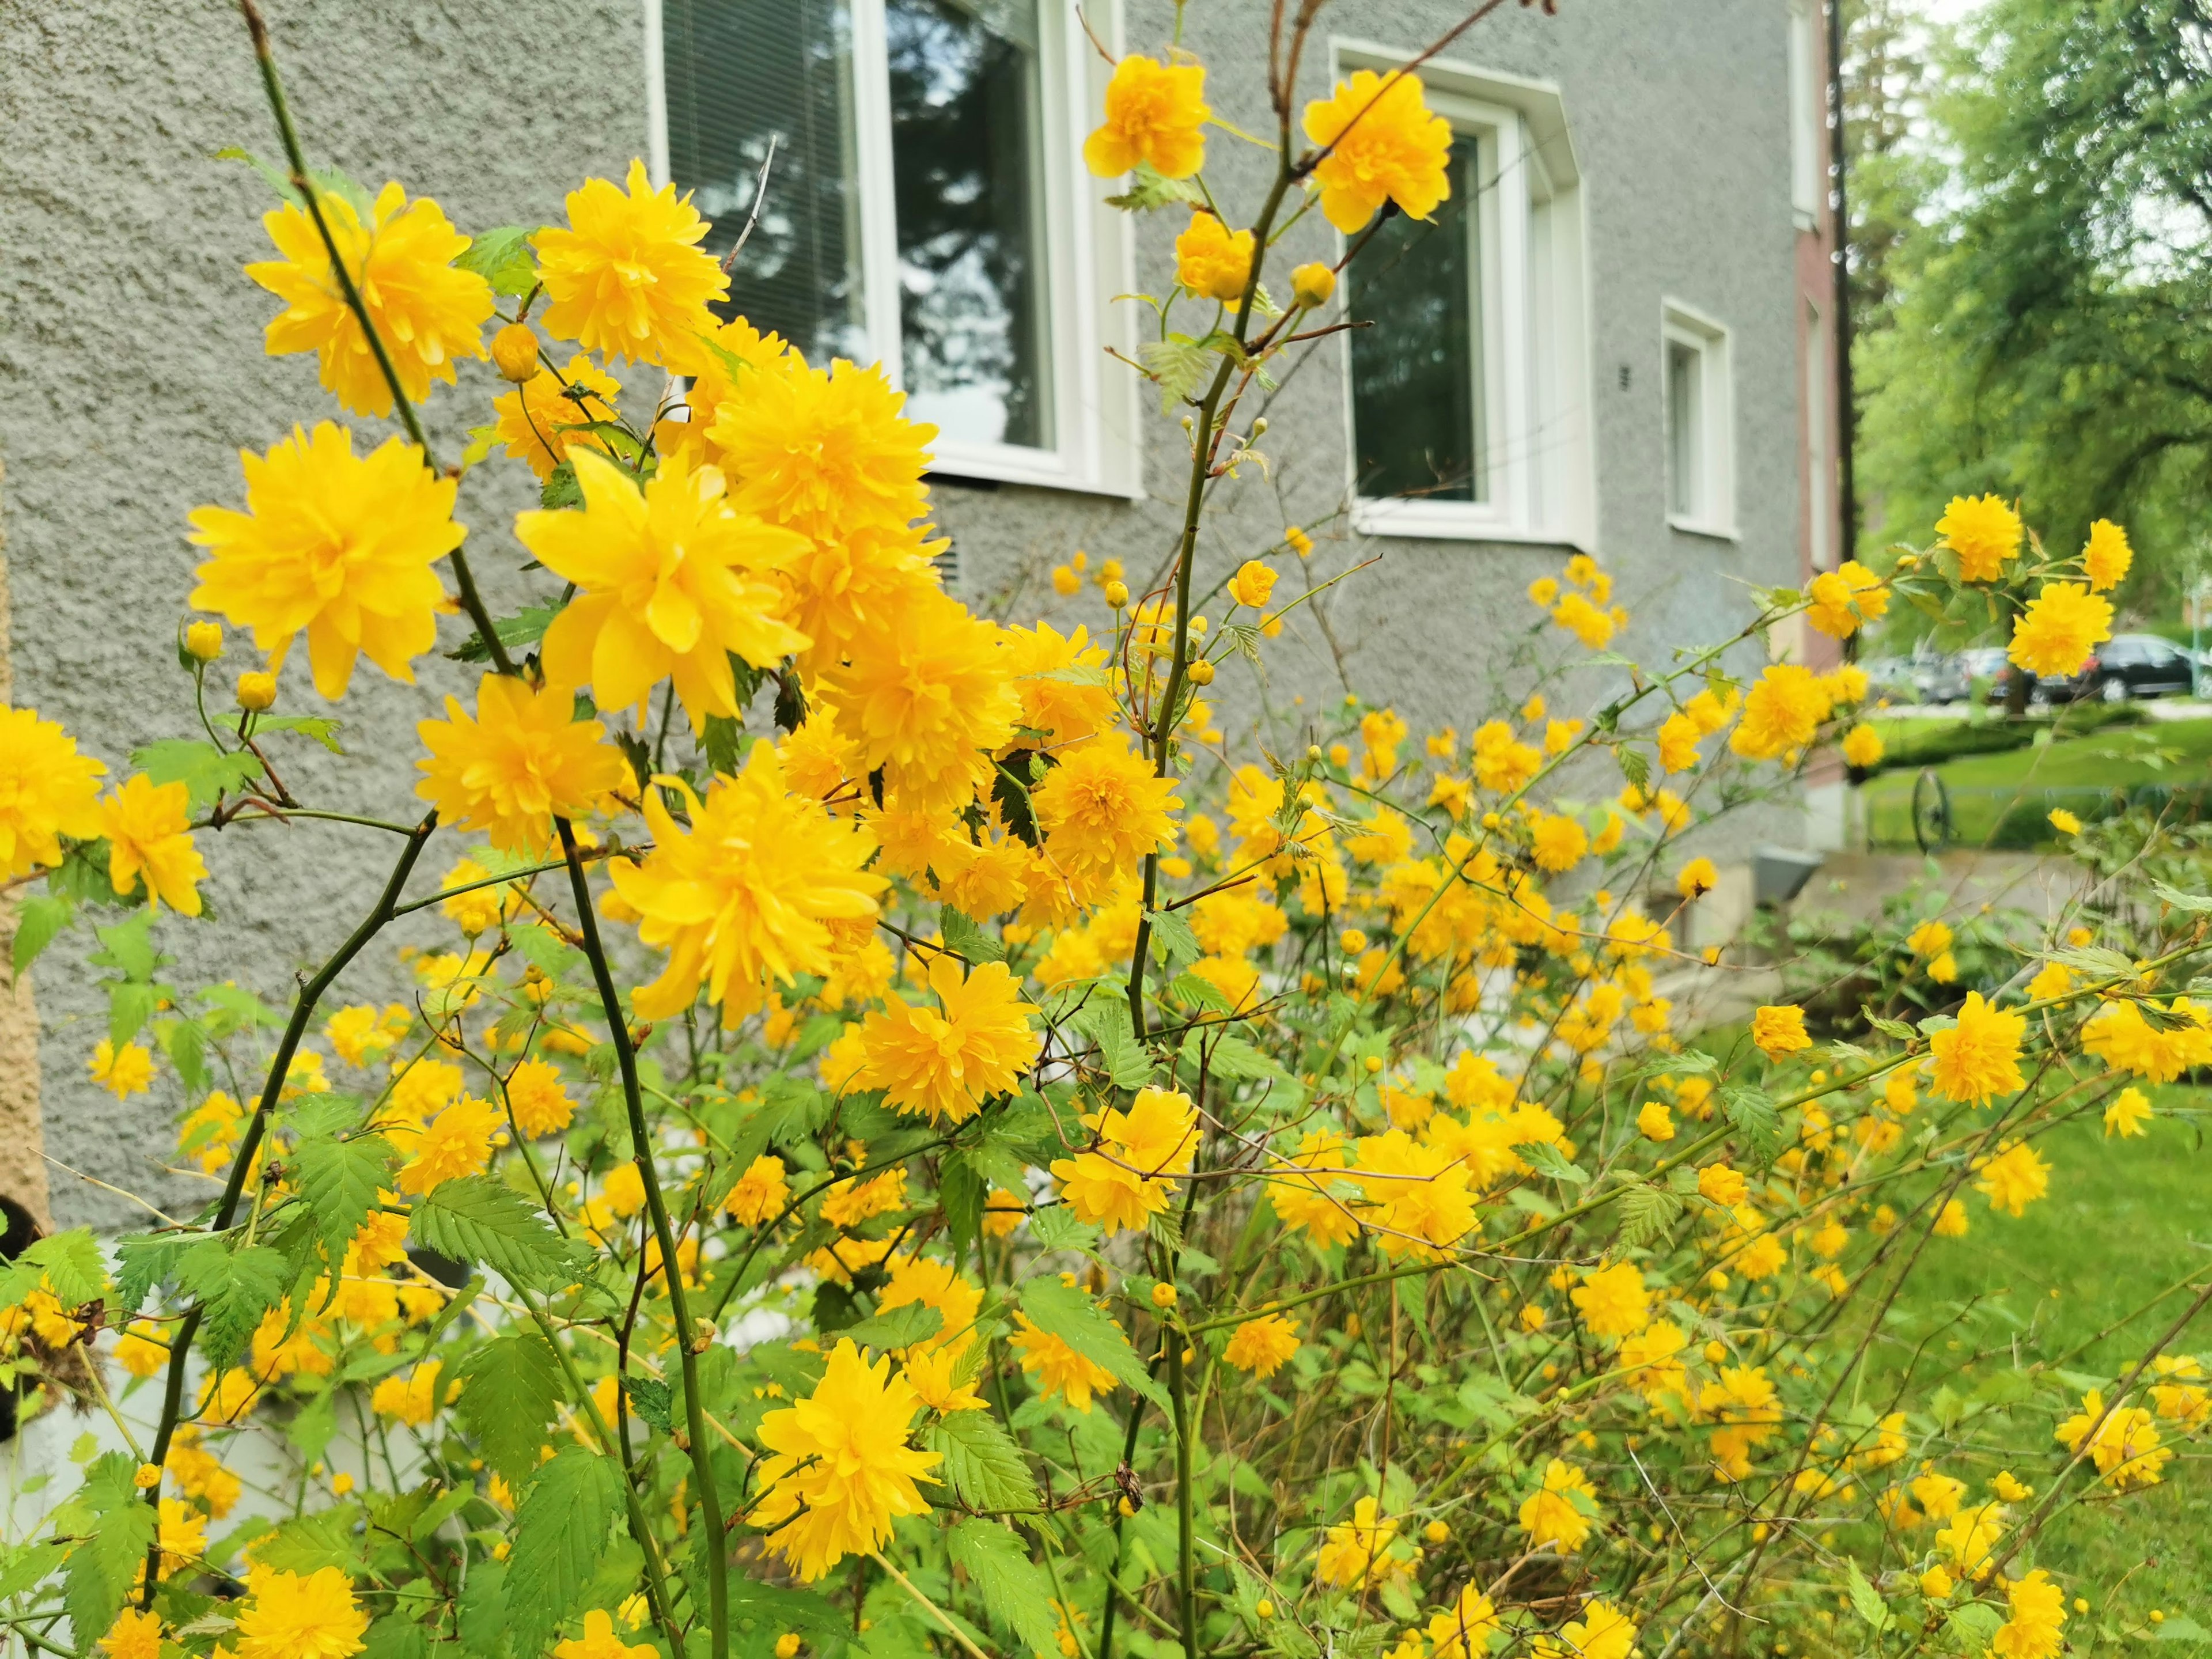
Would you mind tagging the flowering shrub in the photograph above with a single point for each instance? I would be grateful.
(1058, 1185)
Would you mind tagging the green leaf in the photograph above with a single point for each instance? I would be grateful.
(502, 258)
(325, 181)
(1057, 1227)
(127, 946)
(475, 1219)
(1148, 189)
(1064, 1311)
(526, 627)
(1120, 1054)
(235, 1288)
(321, 727)
(102, 1567)
(1548, 1161)
(1176, 365)
(1973, 1625)
(1012, 1586)
(185, 1041)
(1754, 1117)
(510, 1388)
(559, 1534)
(983, 1465)
(71, 1264)
(1201, 993)
(1646, 1213)
(206, 771)
(967, 937)
(1866, 1600)
(901, 1328)
(650, 1398)
(1174, 946)
(148, 1259)
(29, 1564)
(560, 490)
(313, 1542)
(38, 922)
(763, 1611)
(2180, 1627)
(340, 1181)
(1233, 1057)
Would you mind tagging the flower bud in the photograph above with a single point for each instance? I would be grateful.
(1163, 1295)
(257, 691)
(1200, 671)
(514, 353)
(203, 640)
(1117, 594)
(147, 1476)
(1312, 284)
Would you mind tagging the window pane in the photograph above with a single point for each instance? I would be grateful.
(963, 76)
(1417, 373)
(739, 72)
(1685, 416)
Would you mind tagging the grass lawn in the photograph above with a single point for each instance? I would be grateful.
(2123, 1221)
(2080, 774)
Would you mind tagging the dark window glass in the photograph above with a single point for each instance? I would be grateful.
(1417, 372)
(739, 72)
(963, 80)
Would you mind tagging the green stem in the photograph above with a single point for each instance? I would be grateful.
(273, 85)
(249, 1146)
(714, 1546)
(1187, 1557)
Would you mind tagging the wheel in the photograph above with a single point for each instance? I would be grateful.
(1931, 811)
(2113, 690)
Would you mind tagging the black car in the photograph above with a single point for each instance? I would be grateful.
(2125, 666)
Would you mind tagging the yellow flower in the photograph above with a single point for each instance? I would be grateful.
(1779, 1032)
(426, 312)
(1929, 938)
(257, 691)
(546, 417)
(2064, 822)
(840, 1469)
(292, 1616)
(1653, 1121)
(2014, 1179)
(1061, 1373)
(1697, 878)
(761, 1193)
(514, 353)
(670, 584)
(2106, 557)
(412, 1398)
(337, 546)
(945, 1065)
(744, 896)
(1212, 261)
(1613, 1300)
(2123, 1443)
(599, 1641)
(1312, 284)
(626, 278)
(1419, 1196)
(1381, 143)
(2035, 1628)
(148, 826)
(540, 1105)
(1844, 597)
(925, 697)
(122, 1072)
(1593, 627)
(822, 451)
(1141, 1153)
(134, 1635)
(2064, 622)
(1156, 113)
(1560, 1512)
(1352, 1551)
(1781, 713)
(524, 759)
(1263, 1345)
(181, 1534)
(1557, 843)
(1466, 1628)
(1603, 1631)
(203, 640)
(1304, 1203)
(1978, 1056)
(1721, 1185)
(1102, 809)
(2125, 1117)
(1862, 747)
(1951, 1221)
(1252, 584)
(1678, 743)
(457, 1143)
(47, 790)
(1982, 532)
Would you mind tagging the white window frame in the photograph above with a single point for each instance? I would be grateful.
(1684, 324)
(1808, 117)
(1540, 461)
(1088, 253)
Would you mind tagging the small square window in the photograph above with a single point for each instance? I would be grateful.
(1699, 423)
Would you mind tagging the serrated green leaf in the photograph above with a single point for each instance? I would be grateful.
(1866, 1600)
(649, 1397)
(1174, 946)
(1755, 1118)
(1056, 1227)
(235, 1288)
(71, 1264)
(1176, 366)
(105, 1562)
(38, 922)
(321, 727)
(1201, 993)
(1646, 1213)
(526, 627)
(900, 1327)
(1064, 1311)
(1121, 1056)
(1013, 1587)
(559, 1534)
(503, 257)
(206, 771)
(340, 1180)
(510, 1388)
(983, 1465)
(966, 936)
(475, 1219)
(1548, 1161)
(312, 1542)
(1234, 1057)
(148, 1259)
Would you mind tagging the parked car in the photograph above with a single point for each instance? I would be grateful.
(1983, 662)
(1946, 678)
(1896, 679)
(2127, 665)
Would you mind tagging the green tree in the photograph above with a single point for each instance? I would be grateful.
(2049, 337)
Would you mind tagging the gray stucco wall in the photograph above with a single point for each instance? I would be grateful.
(129, 358)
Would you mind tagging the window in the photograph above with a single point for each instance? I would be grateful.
(1808, 117)
(1819, 467)
(926, 209)
(1469, 410)
(1700, 459)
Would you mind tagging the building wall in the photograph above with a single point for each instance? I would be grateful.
(130, 356)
